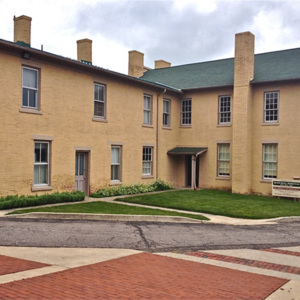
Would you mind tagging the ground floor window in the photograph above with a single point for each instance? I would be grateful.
(224, 160)
(147, 160)
(41, 163)
(115, 174)
(270, 161)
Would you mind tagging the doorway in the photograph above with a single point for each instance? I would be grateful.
(81, 172)
(188, 171)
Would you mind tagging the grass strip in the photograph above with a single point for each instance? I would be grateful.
(108, 208)
(221, 203)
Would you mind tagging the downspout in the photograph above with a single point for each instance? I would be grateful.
(194, 168)
(157, 139)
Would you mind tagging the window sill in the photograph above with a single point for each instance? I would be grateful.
(30, 111)
(99, 119)
(148, 125)
(185, 126)
(224, 125)
(166, 128)
(270, 124)
(112, 183)
(223, 178)
(38, 188)
(266, 180)
(147, 176)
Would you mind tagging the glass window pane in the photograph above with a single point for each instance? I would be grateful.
(29, 78)
(99, 109)
(44, 152)
(81, 164)
(37, 152)
(115, 155)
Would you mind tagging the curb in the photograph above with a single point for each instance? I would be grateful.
(105, 217)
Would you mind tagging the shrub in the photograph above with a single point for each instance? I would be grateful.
(25, 201)
(137, 188)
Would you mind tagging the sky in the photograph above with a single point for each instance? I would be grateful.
(178, 31)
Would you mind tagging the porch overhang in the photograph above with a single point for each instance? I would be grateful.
(187, 151)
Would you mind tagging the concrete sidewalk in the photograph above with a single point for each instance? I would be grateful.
(212, 218)
(120, 274)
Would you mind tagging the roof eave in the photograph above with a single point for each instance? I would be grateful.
(78, 64)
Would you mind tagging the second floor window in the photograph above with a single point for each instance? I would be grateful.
(147, 110)
(224, 109)
(186, 112)
(30, 88)
(99, 100)
(271, 106)
(166, 112)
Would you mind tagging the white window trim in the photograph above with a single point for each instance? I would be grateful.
(220, 113)
(181, 113)
(100, 118)
(149, 110)
(264, 109)
(167, 113)
(218, 160)
(118, 164)
(42, 185)
(147, 161)
(28, 109)
(268, 179)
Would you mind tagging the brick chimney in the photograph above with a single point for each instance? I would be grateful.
(242, 113)
(22, 30)
(84, 51)
(136, 63)
(159, 64)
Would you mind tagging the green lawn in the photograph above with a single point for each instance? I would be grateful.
(221, 203)
(107, 208)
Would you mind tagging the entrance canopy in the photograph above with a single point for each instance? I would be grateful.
(187, 151)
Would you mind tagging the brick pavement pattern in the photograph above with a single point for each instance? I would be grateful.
(9, 265)
(248, 262)
(280, 251)
(144, 276)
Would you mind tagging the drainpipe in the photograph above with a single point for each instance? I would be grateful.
(194, 170)
(157, 124)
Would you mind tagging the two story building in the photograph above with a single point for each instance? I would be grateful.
(67, 124)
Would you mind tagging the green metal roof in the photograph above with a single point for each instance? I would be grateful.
(271, 66)
(187, 150)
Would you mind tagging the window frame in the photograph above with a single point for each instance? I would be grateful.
(186, 115)
(222, 161)
(37, 89)
(265, 110)
(222, 114)
(167, 114)
(100, 101)
(272, 162)
(148, 111)
(41, 164)
(147, 161)
(119, 164)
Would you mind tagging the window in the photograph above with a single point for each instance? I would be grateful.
(224, 109)
(223, 160)
(147, 110)
(269, 161)
(115, 174)
(30, 88)
(271, 103)
(147, 160)
(166, 112)
(186, 112)
(99, 100)
(41, 163)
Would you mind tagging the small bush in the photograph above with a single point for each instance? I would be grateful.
(138, 188)
(26, 201)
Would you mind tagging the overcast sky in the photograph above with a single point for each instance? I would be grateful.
(178, 31)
